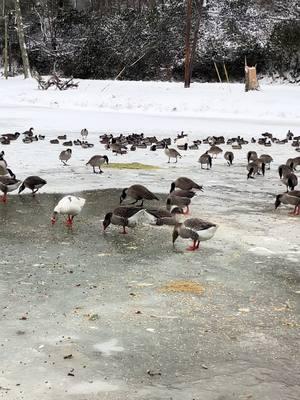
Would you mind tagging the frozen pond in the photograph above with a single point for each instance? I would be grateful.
(88, 316)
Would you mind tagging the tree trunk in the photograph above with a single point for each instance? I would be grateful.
(22, 43)
(6, 47)
(187, 71)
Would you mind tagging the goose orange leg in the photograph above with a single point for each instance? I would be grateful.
(124, 232)
(193, 247)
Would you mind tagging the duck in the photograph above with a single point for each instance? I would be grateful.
(123, 216)
(178, 202)
(34, 183)
(237, 146)
(292, 198)
(8, 184)
(172, 153)
(185, 183)
(290, 180)
(62, 137)
(205, 159)
(196, 229)
(229, 156)
(97, 161)
(138, 193)
(69, 205)
(65, 156)
(160, 216)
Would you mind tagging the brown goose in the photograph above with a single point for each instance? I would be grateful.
(160, 216)
(195, 229)
(65, 156)
(4, 170)
(33, 183)
(266, 159)
(290, 180)
(205, 159)
(292, 198)
(123, 216)
(178, 201)
(229, 156)
(97, 161)
(185, 183)
(8, 185)
(138, 193)
(172, 153)
(184, 193)
(215, 150)
(254, 168)
(251, 156)
(284, 170)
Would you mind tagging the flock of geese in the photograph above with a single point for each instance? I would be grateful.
(182, 190)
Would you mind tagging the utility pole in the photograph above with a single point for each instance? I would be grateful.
(187, 64)
(22, 42)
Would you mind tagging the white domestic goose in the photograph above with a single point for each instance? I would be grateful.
(69, 205)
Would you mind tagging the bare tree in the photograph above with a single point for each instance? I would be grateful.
(20, 29)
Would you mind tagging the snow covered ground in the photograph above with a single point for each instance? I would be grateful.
(155, 108)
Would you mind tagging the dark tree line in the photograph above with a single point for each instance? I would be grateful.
(144, 39)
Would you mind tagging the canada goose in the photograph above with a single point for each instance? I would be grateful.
(65, 156)
(266, 159)
(215, 150)
(184, 193)
(4, 170)
(172, 153)
(97, 161)
(182, 146)
(11, 136)
(160, 216)
(195, 229)
(283, 170)
(69, 205)
(34, 183)
(7, 185)
(123, 216)
(4, 140)
(292, 198)
(290, 180)
(178, 202)
(29, 132)
(254, 168)
(194, 146)
(185, 183)
(62, 137)
(205, 159)
(137, 192)
(84, 133)
(252, 156)
(229, 157)
(296, 162)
